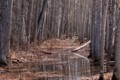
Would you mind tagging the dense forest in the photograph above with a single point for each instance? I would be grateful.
(59, 39)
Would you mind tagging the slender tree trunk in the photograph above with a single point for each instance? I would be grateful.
(21, 24)
(41, 18)
(111, 26)
(116, 74)
(34, 35)
(96, 24)
(102, 41)
(30, 13)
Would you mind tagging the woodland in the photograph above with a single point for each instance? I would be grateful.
(59, 39)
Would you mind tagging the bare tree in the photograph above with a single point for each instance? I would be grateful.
(5, 10)
(102, 41)
(116, 74)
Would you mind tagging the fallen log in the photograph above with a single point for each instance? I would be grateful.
(82, 46)
(47, 52)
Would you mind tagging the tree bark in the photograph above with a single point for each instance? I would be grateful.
(102, 41)
(116, 74)
(5, 10)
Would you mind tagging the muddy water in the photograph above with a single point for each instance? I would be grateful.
(47, 67)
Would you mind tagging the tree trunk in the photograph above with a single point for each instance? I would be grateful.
(5, 10)
(102, 37)
(95, 33)
(116, 74)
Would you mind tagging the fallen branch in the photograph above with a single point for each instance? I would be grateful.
(47, 52)
(78, 48)
(82, 57)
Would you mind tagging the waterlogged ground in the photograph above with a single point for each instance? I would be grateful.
(25, 65)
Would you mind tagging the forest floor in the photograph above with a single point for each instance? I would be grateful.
(23, 65)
